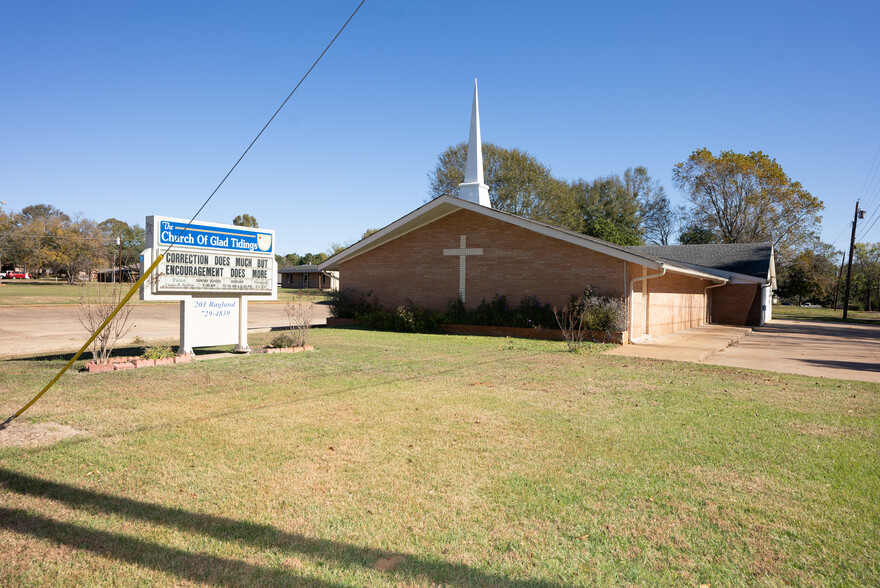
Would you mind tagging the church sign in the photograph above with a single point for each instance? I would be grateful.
(213, 269)
(211, 258)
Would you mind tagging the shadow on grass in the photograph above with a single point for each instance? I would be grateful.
(210, 569)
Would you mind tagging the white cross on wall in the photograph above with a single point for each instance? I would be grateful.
(462, 252)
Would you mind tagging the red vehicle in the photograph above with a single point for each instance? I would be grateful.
(14, 275)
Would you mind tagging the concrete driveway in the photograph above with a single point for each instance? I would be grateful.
(30, 330)
(824, 349)
(832, 350)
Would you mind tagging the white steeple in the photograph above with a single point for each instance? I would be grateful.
(474, 188)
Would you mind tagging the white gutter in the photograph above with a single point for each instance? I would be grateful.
(632, 284)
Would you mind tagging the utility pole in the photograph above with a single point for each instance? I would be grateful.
(839, 280)
(852, 245)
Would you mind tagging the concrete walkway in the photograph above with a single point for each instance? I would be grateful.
(847, 351)
(695, 345)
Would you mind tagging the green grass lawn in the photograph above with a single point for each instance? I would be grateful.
(29, 292)
(824, 314)
(408, 460)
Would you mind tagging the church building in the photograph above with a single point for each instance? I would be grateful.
(462, 247)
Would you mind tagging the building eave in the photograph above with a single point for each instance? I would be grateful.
(446, 205)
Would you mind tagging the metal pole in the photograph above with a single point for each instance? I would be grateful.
(852, 246)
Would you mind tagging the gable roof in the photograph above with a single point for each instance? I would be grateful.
(446, 205)
(755, 260)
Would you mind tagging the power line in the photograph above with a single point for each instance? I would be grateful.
(327, 48)
(158, 259)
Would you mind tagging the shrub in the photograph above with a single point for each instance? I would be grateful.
(95, 307)
(497, 313)
(284, 340)
(300, 314)
(602, 313)
(158, 352)
(571, 322)
(590, 313)
(350, 304)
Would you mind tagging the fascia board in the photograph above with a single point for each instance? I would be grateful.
(687, 271)
(398, 228)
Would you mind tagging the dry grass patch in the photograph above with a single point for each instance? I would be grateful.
(27, 434)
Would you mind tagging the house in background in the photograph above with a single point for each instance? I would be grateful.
(306, 277)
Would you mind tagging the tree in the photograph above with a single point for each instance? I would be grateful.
(747, 198)
(44, 211)
(78, 248)
(9, 222)
(518, 183)
(369, 232)
(694, 234)
(866, 274)
(132, 242)
(658, 218)
(809, 275)
(609, 210)
(245, 220)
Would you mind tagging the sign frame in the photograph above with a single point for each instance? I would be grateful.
(210, 262)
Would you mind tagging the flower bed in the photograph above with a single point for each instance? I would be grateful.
(286, 349)
(129, 363)
(525, 333)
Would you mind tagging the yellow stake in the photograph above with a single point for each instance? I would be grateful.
(131, 292)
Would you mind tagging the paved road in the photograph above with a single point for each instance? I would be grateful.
(29, 330)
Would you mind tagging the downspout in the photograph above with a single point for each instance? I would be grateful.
(705, 292)
(632, 284)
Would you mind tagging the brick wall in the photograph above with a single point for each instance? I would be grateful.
(731, 303)
(515, 262)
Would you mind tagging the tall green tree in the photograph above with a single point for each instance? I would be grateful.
(9, 222)
(245, 220)
(610, 210)
(747, 198)
(132, 242)
(518, 183)
(810, 275)
(866, 275)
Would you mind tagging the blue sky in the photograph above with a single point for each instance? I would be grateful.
(126, 109)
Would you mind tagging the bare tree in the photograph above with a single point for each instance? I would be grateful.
(96, 305)
(300, 315)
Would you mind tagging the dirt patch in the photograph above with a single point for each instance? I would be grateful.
(35, 434)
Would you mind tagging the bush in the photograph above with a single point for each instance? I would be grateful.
(404, 319)
(350, 304)
(497, 313)
(300, 315)
(284, 340)
(602, 313)
(590, 312)
(593, 313)
(158, 352)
